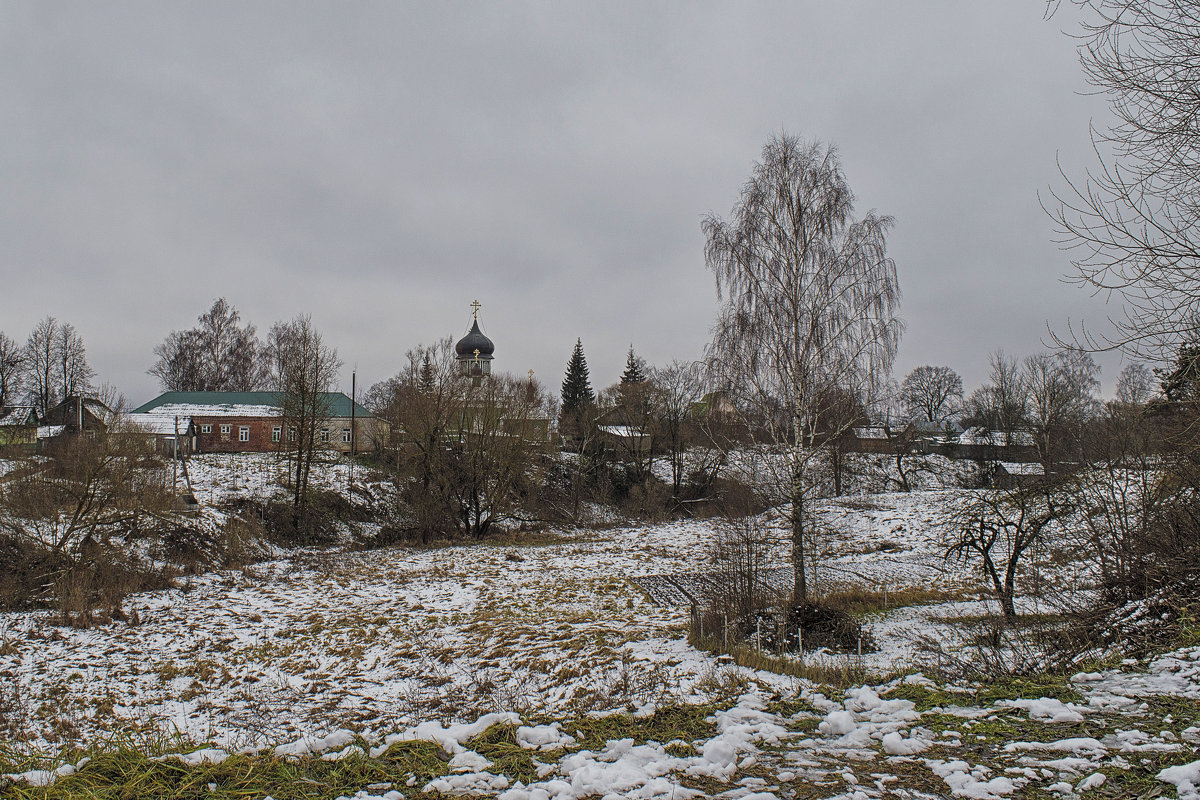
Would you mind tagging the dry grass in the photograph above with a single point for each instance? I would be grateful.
(861, 601)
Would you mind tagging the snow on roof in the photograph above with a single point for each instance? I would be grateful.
(624, 431)
(182, 410)
(978, 435)
(50, 431)
(17, 416)
(1022, 438)
(161, 424)
(339, 404)
(870, 433)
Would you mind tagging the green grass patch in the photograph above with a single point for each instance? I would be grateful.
(498, 744)
(667, 724)
(927, 697)
(125, 774)
(1057, 687)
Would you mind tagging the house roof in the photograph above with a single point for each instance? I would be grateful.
(623, 431)
(238, 404)
(161, 424)
(18, 416)
(69, 410)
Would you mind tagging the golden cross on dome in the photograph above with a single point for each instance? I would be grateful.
(531, 376)
(476, 353)
(475, 305)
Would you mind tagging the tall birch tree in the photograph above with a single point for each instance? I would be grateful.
(810, 303)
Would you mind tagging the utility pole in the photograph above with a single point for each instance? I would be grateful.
(353, 425)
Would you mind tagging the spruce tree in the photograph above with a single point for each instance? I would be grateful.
(576, 390)
(635, 371)
(427, 375)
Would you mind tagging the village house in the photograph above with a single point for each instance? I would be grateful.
(75, 414)
(18, 426)
(252, 422)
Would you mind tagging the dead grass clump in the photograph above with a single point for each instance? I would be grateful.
(861, 600)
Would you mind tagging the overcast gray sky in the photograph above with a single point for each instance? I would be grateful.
(381, 165)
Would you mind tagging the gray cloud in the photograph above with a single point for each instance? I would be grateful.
(380, 165)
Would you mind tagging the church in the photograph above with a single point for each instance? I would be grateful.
(474, 354)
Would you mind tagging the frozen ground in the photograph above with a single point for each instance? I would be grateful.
(348, 654)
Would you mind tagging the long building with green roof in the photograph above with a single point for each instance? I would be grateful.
(233, 422)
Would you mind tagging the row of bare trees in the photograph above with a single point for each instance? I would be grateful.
(51, 366)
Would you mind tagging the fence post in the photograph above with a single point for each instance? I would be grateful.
(725, 629)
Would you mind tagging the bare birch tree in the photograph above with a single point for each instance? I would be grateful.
(219, 355)
(1131, 222)
(810, 305)
(39, 356)
(74, 374)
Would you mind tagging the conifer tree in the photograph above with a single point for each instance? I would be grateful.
(427, 375)
(635, 371)
(576, 390)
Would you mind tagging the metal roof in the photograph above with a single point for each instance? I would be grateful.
(228, 403)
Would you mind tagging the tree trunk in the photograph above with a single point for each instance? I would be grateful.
(1007, 604)
(799, 577)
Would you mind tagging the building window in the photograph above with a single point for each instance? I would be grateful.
(243, 433)
(346, 435)
(291, 434)
(276, 433)
(323, 436)
(225, 431)
(206, 428)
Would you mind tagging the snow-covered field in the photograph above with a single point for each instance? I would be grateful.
(348, 653)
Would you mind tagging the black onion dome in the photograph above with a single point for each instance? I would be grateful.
(475, 340)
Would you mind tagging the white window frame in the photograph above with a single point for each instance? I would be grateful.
(225, 430)
(345, 436)
(206, 428)
(243, 433)
(276, 433)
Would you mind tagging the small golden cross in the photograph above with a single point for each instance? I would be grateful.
(475, 304)
(476, 353)
(531, 376)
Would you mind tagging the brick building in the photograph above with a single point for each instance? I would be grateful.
(252, 422)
